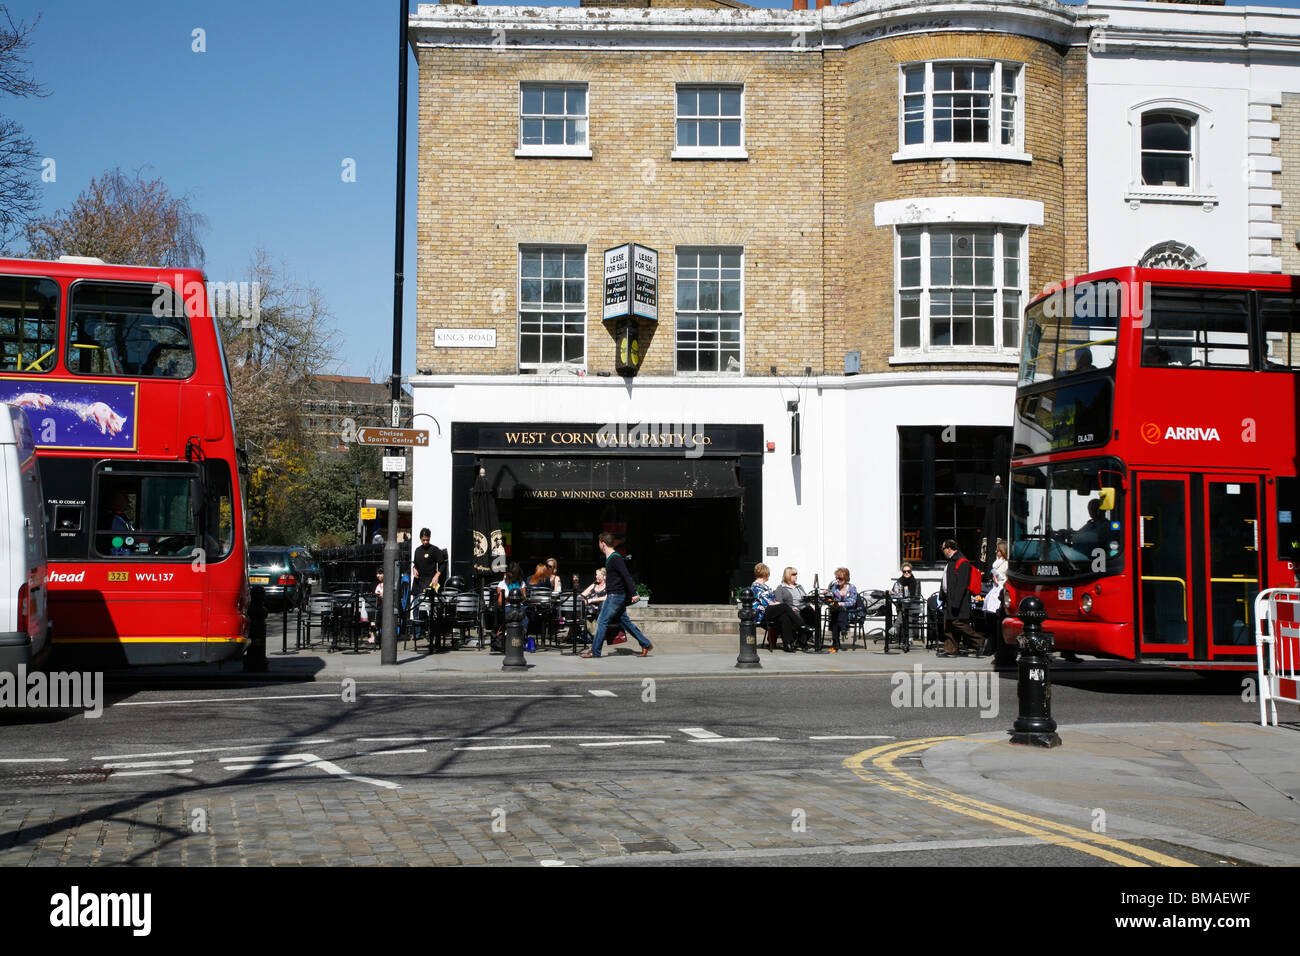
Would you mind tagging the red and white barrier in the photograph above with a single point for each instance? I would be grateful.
(1277, 650)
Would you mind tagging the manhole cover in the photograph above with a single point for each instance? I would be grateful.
(649, 846)
(55, 777)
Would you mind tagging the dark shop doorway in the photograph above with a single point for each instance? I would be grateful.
(686, 552)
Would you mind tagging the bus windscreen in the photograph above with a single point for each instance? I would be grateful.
(1071, 331)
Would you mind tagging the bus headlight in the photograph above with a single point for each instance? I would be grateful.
(1085, 603)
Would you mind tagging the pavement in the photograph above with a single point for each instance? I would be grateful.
(1127, 794)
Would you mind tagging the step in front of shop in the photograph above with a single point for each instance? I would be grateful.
(701, 620)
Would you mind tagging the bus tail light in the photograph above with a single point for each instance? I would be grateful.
(23, 614)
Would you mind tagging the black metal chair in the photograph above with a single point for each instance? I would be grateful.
(318, 614)
(570, 606)
(466, 615)
(541, 611)
(346, 619)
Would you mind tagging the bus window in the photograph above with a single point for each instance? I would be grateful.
(1071, 332)
(1060, 526)
(29, 324)
(1288, 519)
(1280, 318)
(219, 521)
(113, 330)
(144, 516)
(1201, 328)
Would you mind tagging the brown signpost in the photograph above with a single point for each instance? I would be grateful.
(393, 437)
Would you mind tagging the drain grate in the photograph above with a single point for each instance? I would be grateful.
(56, 777)
(649, 846)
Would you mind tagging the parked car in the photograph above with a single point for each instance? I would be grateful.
(303, 557)
(24, 628)
(281, 573)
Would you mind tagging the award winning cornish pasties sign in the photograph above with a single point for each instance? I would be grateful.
(631, 283)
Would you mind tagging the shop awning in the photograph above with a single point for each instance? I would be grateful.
(613, 479)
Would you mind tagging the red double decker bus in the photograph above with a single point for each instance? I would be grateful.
(122, 376)
(1153, 483)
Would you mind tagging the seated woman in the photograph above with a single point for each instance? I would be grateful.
(844, 597)
(790, 594)
(774, 615)
(513, 581)
(906, 586)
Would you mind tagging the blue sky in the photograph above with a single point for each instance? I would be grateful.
(255, 130)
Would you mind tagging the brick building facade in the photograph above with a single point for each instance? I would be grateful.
(851, 206)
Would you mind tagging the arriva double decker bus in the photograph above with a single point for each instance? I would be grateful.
(1153, 485)
(122, 376)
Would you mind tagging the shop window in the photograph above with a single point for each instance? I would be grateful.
(945, 476)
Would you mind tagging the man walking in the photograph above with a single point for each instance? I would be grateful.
(956, 602)
(620, 590)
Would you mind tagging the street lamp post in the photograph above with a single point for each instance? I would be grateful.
(388, 652)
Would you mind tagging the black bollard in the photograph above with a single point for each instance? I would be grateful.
(1034, 726)
(514, 639)
(255, 655)
(748, 658)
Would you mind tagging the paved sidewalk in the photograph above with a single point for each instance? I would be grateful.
(1230, 790)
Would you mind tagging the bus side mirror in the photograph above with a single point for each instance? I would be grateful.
(1107, 499)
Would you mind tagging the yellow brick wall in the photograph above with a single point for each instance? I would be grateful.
(478, 202)
(872, 121)
(819, 130)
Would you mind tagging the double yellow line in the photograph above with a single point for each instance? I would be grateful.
(876, 766)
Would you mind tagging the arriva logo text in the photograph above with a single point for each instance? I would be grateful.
(1152, 434)
(1192, 434)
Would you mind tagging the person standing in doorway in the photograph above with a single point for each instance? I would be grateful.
(620, 590)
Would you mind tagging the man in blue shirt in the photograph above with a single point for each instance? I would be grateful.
(620, 590)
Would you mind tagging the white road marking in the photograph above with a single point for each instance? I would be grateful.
(602, 693)
(624, 743)
(148, 773)
(385, 753)
(732, 740)
(283, 745)
(146, 763)
(479, 696)
(509, 747)
(219, 700)
(863, 737)
(295, 761)
(34, 760)
(699, 733)
(412, 740)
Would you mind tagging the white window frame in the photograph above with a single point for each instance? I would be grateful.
(574, 151)
(928, 149)
(543, 367)
(677, 252)
(710, 152)
(1001, 352)
(1200, 190)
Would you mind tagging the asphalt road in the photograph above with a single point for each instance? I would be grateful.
(721, 770)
